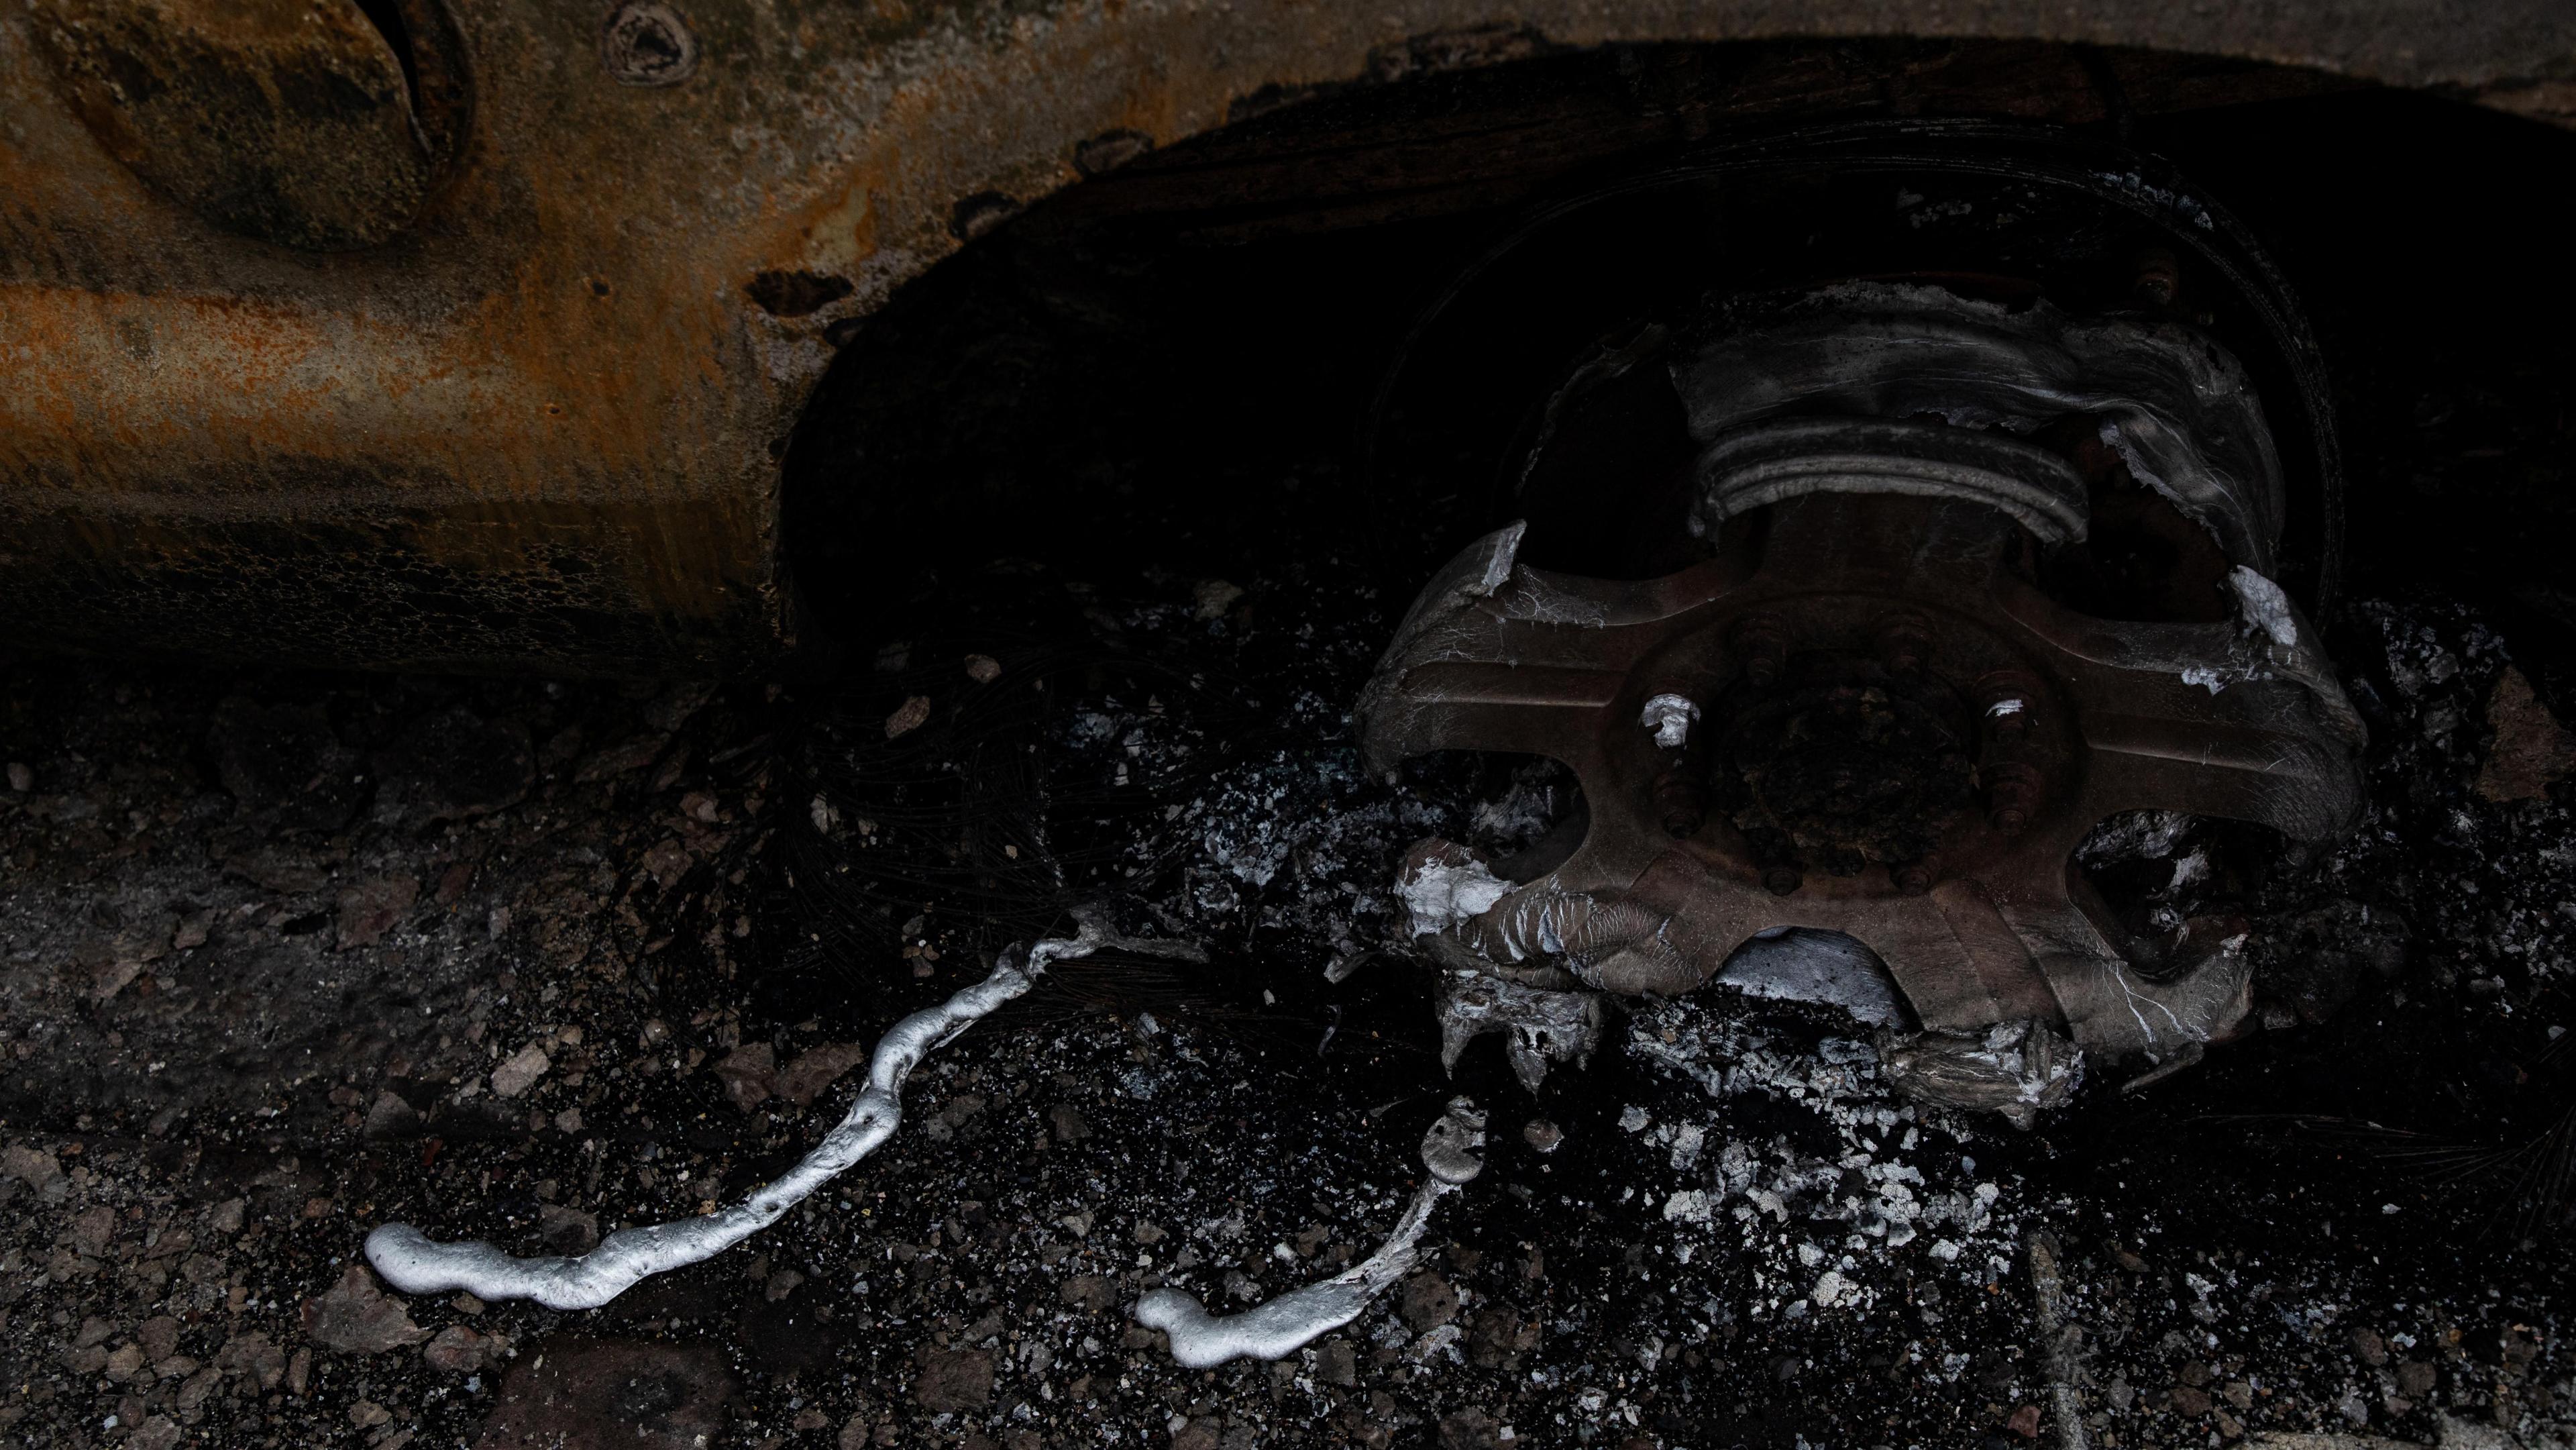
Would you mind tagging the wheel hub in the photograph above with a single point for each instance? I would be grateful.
(1846, 765)
(1862, 713)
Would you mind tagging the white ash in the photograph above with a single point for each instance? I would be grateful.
(1281, 1327)
(1441, 890)
(1294, 846)
(1670, 717)
(2264, 606)
(1897, 1194)
(413, 1263)
(2136, 836)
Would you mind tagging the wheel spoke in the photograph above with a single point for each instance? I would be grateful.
(2198, 718)
(1500, 656)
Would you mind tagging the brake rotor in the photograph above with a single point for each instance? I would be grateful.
(1863, 711)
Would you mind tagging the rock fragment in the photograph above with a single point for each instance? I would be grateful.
(909, 716)
(356, 1317)
(747, 1073)
(806, 1078)
(1214, 597)
(567, 1230)
(34, 1167)
(1090, 1292)
(253, 1356)
(371, 908)
(954, 1380)
(160, 1338)
(519, 1071)
(388, 1116)
(2531, 748)
(1426, 1302)
(576, 1393)
(457, 1350)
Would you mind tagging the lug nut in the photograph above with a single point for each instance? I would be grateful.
(2012, 793)
(2008, 716)
(1913, 877)
(1781, 880)
(1682, 802)
(1904, 644)
(2007, 700)
(1765, 645)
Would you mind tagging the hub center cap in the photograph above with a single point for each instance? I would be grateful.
(1845, 766)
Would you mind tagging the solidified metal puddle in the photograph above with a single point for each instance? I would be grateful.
(415, 1264)
(1295, 1319)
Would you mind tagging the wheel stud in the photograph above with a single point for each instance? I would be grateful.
(1904, 644)
(1781, 880)
(2012, 793)
(1912, 877)
(2007, 700)
(1765, 646)
(1682, 802)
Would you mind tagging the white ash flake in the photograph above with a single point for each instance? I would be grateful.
(1830, 1229)
(1439, 894)
(2264, 606)
(1670, 717)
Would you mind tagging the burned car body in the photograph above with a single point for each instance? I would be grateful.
(472, 335)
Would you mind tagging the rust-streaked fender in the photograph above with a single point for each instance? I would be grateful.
(539, 422)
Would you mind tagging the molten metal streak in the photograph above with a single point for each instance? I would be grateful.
(412, 1263)
(1283, 1326)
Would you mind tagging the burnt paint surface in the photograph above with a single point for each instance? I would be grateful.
(540, 424)
(270, 118)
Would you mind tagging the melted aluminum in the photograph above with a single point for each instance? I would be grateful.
(1283, 1326)
(413, 1263)
(1670, 717)
(1443, 884)
(1539, 1027)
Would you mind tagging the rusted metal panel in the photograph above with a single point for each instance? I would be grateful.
(539, 423)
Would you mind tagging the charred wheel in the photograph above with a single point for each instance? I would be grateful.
(1967, 574)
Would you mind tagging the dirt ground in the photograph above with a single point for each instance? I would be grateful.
(289, 957)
